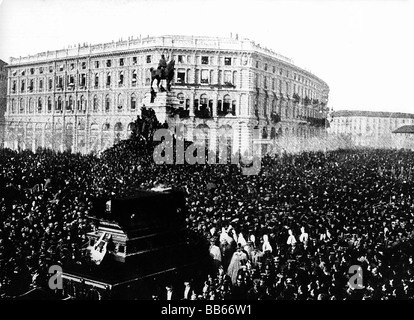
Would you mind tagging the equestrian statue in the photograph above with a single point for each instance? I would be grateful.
(165, 71)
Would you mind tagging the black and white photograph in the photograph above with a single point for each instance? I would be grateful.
(222, 152)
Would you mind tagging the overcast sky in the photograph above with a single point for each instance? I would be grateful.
(363, 49)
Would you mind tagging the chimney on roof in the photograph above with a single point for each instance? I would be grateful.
(231, 35)
(237, 36)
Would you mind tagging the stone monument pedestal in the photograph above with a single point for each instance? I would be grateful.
(160, 103)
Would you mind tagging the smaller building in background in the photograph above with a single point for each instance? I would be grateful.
(404, 137)
(369, 128)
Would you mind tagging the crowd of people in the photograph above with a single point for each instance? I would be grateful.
(291, 232)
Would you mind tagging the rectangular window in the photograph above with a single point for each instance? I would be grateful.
(180, 58)
(204, 76)
(60, 82)
(134, 78)
(61, 67)
(32, 70)
(71, 80)
(273, 84)
(257, 64)
(72, 66)
(83, 65)
(41, 70)
(121, 79)
(274, 69)
(108, 63)
(82, 80)
(50, 84)
(97, 64)
(121, 62)
(148, 59)
(227, 61)
(14, 86)
(265, 83)
(181, 76)
(265, 66)
(134, 61)
(50, 69)
(227, 77)
(204, 60)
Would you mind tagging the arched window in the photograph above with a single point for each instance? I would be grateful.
(70, 105)
(39, 105)
(96, 80)
(264, 133)
(106, 127)
(21, 106)
(180, 97)
(108, 79)
(13, 106)
(107, 103)
(130, 128)
(134, 78)
(120, 102)
(31, 109)
(133, 102)
(82, 104)
(59, 104)
(226, 104)
(121, 78)
(49, 104)
(95, 103)
(203, 100)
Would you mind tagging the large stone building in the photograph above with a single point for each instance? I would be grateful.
(85, 98)
(369, 128)
(3, 98)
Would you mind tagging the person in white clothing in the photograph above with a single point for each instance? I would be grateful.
(266, 244)
(303, 236)
(291, 239)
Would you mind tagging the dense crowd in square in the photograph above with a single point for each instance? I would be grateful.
(290, 232)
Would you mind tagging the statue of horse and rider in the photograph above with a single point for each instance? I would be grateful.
(165, 71)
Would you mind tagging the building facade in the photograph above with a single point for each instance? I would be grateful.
(3, 99)
(404, 137)
(369, 128)
(85, 98)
